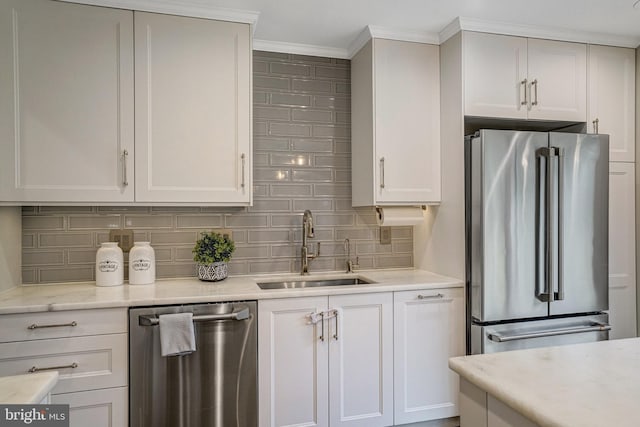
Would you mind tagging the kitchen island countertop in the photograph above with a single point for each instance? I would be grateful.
(27, 388)
(594, 384)
(76, 296)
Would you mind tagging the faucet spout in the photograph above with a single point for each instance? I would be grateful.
(307, 232)
(347, 253)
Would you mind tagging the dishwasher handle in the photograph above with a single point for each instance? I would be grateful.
(595, 327)
(242, 314)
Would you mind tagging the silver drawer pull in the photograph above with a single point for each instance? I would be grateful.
(52, 368)
(59, 325)
(430, 296)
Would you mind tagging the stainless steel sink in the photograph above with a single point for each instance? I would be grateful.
(299, 284)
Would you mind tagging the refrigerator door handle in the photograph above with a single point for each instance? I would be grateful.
(560, 154)
(546, 273)
(594, 327)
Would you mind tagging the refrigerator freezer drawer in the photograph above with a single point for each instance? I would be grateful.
(539, 333)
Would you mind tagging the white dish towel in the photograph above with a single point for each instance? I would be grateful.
(177, 335)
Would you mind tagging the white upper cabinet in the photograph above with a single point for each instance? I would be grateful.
(67, 106)
(395, 104)
(66, 102)
(193, 110)
(612, 82)
(495, 68)
(520, 78)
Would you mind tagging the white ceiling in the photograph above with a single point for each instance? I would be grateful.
(336, 23)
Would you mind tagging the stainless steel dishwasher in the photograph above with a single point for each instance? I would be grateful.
(215, 386)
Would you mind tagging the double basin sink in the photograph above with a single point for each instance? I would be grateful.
(300, 284)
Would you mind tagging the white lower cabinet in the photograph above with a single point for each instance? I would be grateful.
(96, 408)
(428, 330)
(326, 361)
(88, 348)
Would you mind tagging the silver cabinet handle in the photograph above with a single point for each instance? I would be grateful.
(595, 327)
(57, 325)
(322, 326)
(335, 315)
(242, 157)
(52, 368)
(438, 295)
(596, 122)
(523, 83)
(534, 85)
(125, 155)
(381, 172)
(243, 314)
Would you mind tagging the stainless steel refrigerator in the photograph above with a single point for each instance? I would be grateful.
(537, 239)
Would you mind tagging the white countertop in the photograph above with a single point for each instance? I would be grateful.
(73, 296)
(27, 388)
(594, 384)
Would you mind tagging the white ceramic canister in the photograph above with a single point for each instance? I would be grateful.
(142, 264)
(109, 265)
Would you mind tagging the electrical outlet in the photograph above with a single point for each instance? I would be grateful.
(385, 235)
(123, 237)
(224, 232)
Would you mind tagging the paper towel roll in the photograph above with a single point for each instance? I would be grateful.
(410, 215)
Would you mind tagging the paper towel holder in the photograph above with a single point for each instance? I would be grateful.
(379, 208)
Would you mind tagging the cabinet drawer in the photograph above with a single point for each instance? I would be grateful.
(58, 324)
(101, 361)
(96, 408)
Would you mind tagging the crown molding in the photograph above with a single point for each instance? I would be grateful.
(376, 32)
(300, 49)
(403, 35)
(359, 42)
(533, 31)
(181, 8)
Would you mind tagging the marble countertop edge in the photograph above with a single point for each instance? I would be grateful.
(27, 388)
(588, 384)
(85, 295)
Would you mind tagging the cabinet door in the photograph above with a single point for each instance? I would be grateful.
(622, 251)
(361, 360)
(407, 122)
(66, 102)
(428, 330)
(495, 67)
(193, 112)
(96, 408)
(612, 88)
(557, 74)
(292, 363)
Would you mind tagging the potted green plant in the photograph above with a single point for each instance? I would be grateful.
(212, 252)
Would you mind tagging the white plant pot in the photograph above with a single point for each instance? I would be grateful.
(213, 272)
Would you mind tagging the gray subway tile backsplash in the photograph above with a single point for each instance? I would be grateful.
(43, 223)
(301, 160)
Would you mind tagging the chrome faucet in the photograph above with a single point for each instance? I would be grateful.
(347, 252)
(307, 232)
